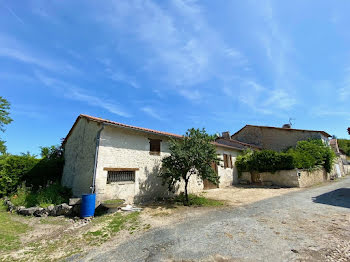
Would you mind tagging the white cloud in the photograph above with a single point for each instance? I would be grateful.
(152, 112)
(71, 92)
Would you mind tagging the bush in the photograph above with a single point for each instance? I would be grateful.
(344, 144)
(52, 194)
(36, 173)
(13, 169)
(306, 155)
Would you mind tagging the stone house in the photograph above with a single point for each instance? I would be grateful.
(115, 160)
(276, 138)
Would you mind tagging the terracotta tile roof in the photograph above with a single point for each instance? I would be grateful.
(287, 129)
(117, 124)
(235, 143)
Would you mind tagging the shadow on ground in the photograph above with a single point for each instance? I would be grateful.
(339, 197)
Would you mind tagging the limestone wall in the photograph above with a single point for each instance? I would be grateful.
(79, 155)
(275, 139)
(289, 178)
(124, 148)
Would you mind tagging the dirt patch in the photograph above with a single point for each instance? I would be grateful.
(243, 195)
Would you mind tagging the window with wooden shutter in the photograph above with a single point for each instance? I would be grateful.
(230, 161)
(225, 161)
(154, 146)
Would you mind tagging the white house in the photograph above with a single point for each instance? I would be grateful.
(121, 161)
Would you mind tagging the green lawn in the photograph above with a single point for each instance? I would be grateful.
(10, 230)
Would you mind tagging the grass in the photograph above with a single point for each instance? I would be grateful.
(10, 230)
(113, 224)
(53, 194)
(195, 200)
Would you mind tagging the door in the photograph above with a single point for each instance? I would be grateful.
(207, 184)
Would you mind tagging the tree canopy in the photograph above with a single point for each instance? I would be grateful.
(5, 119)
(194, 154)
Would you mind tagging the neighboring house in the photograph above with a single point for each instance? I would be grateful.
(276, 138)
(122, 161)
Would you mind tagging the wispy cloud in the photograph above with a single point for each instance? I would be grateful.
(264, 100)
(13, 13)
(72, 92)
(10, 48)
(152, 112)
(181, 48)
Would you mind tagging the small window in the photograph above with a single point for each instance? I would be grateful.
(120, 176)
(154, 146)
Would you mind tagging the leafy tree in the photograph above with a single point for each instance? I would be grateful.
(349, 130)
(5, 119)
(194, 154)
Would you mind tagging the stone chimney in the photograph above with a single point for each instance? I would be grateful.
(226, 135)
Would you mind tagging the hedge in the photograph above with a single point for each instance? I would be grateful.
(306, 155)
(34, 172)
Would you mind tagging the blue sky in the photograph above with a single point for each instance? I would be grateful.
(172, 65)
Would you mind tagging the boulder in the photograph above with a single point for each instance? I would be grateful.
(41, 212)
(76, 210)
(63, 210)
(28, 211)
(74, 201)
(51, 210)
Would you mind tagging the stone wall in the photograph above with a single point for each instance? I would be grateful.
(79, 155)
(275, 139)
(125, 148)
(289, 178)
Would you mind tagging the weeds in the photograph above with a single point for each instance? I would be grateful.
(52, 194)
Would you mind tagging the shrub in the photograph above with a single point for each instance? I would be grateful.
(344, 144)
(52, 194)
(16, 169)
(306, 155)
(13, 169)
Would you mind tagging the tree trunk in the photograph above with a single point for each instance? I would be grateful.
(186, 202)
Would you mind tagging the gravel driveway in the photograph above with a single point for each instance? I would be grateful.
(307, 225)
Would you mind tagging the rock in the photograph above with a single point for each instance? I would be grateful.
(41, 212)
(244, 182)
(51, 210)
(74, 201)
(28, 211)
(10, 207)
(76, 210)
(267, 183)
(63, 210)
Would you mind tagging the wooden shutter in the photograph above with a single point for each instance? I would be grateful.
(230, 161)
(154, 146)
(225, 161)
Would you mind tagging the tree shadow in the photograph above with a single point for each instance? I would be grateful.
(339, 197)
(152, 192)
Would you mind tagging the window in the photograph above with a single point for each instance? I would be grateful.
(120, 176)
(228, 161)
(154, 146)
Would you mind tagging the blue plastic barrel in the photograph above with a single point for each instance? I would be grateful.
(87, 207)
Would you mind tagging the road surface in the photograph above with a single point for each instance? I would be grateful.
(308, 225)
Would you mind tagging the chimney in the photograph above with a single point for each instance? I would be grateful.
(226, 135)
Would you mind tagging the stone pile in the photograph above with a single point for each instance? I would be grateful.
(59, 210)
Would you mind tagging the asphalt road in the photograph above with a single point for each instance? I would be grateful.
(308, 225)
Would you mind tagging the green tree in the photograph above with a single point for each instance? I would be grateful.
(5, 119)
(194, 154)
